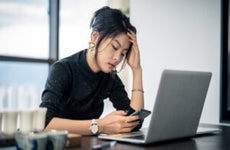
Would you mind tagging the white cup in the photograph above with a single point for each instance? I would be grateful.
(9, 121)
(57, 139)
(31, 141)
(25, 121)
(39, 116)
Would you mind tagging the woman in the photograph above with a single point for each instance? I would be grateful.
(77, 85)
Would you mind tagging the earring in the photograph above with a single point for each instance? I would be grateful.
(92, 46)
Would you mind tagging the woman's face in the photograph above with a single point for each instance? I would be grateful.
(112, 51)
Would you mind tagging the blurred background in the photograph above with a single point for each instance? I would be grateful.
(179, 34)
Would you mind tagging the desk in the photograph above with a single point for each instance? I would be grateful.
(219, 141)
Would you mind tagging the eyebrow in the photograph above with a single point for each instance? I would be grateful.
(120, 44)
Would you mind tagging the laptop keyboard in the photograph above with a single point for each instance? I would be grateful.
(138, 137)
(129, 135)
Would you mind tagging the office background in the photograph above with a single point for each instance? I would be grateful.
(180, 34)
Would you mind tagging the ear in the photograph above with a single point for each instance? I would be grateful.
(95, 36)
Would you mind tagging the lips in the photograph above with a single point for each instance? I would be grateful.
(111, 65)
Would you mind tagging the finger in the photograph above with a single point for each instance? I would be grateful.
(120, 112)
(131, 36)
(124, 119)
(133, 40)
(132, 118)
(131, 31)
(127, 119)
(131, 124)
(128, 127)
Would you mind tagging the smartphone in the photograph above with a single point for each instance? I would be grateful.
(142, 113)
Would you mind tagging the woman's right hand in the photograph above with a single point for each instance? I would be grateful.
(117, 122)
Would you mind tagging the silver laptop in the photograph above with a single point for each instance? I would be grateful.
(177, 110)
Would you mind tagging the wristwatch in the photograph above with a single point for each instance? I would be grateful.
(94, 127)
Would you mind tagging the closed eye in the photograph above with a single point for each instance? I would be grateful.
(115, 48)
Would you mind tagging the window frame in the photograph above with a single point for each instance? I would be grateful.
(53, 11)
(225, 112)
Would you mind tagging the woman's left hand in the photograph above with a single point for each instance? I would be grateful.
(134, 55)
(117, 122)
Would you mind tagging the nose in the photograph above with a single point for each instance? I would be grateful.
(117, 56)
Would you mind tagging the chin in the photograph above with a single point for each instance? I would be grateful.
(107, 70)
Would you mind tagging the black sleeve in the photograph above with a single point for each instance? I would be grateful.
(118, 96)
(120, 99)
(56, 87)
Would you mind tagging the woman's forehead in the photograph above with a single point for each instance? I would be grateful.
(121, 39)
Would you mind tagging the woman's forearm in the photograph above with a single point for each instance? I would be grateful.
(73, 126)
(137, 96)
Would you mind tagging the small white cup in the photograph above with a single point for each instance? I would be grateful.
(31, 141)
(9, 122)
(57, 139)
(25, 121)
(39, 116)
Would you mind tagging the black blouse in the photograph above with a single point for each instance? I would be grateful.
(74, 91)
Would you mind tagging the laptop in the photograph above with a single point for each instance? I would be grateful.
(177, 109)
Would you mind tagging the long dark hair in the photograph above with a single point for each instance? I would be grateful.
(110, 22)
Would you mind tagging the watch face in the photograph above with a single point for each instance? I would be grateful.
(94, 128)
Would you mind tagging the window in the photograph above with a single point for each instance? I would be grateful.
(24, 28)
(74, 24)
(21, 84)
(24, 52)
(30, 42)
